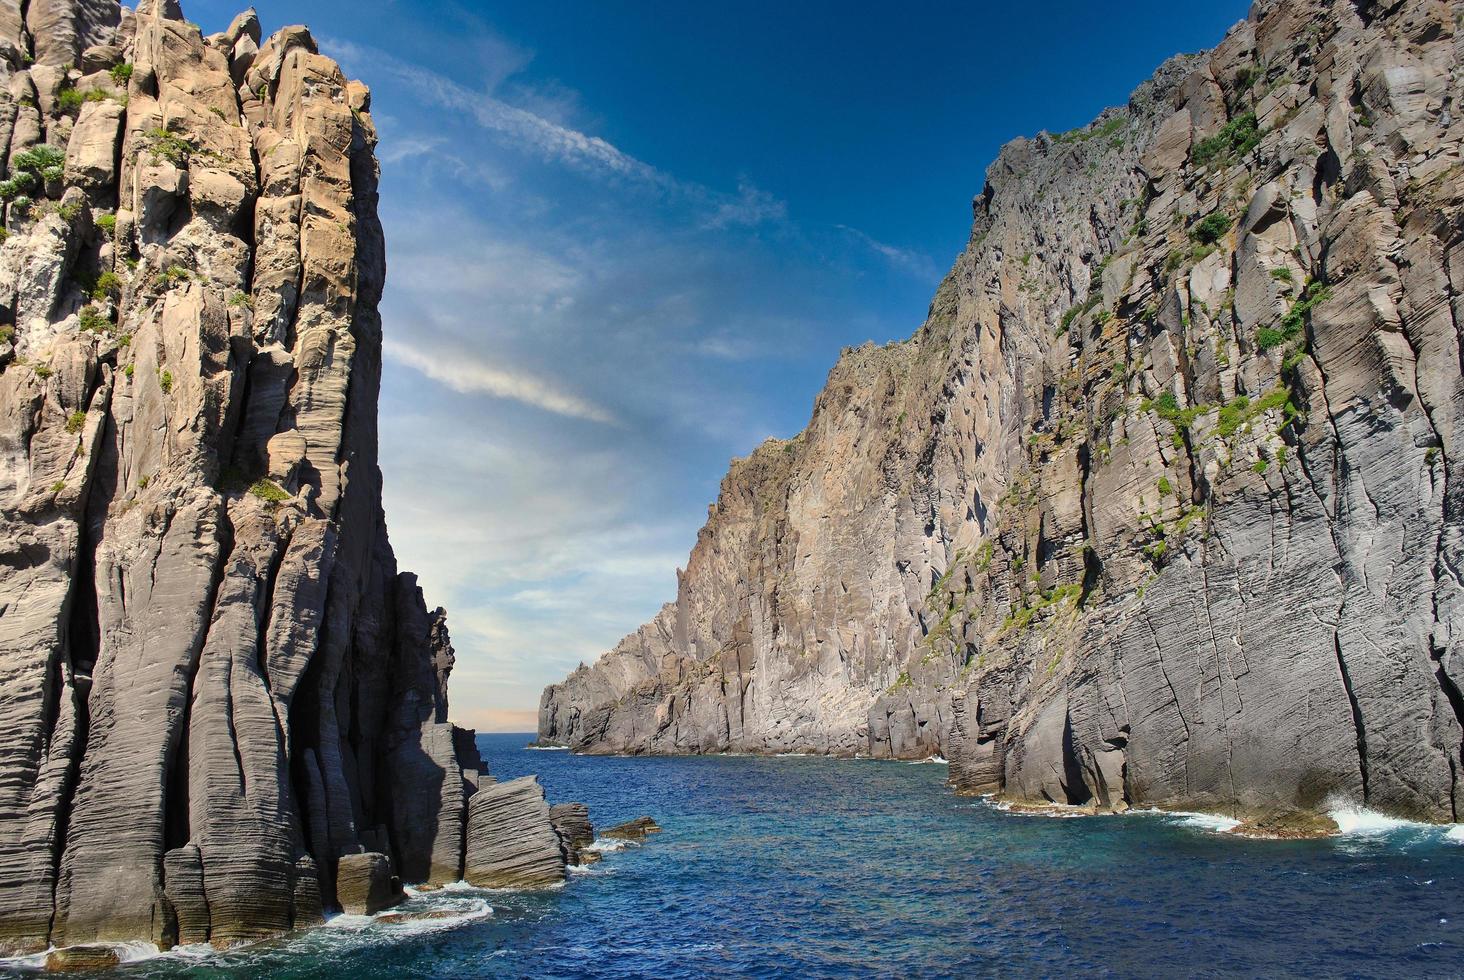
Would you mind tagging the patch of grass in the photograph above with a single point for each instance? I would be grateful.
(241, 300)
(1182, 525)
(108, 224)
(1085, 133)
(107, 284)
(1166, 406)
(1165, 489)
(165, 382)
(143, 482)
(171, 276)
(165, 145)
(128, 371)
(38, 158)
(75, 422)
(1261, 465)
(1239, 412)
(69, 212)
(58, 486)
(69, 100)
(1282, 274)
(269, 491)
(92, 320)
(1211, 228)
(1294, 322)
(28, 170)
(1022, 616)
(122, 74)
(1235, 140)
(1077, 311)
(901, 682)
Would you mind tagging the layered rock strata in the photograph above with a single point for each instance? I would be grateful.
(224, 709)
(571, 822)
(1161, 504)
(511, 839)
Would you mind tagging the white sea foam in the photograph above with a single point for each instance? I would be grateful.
(1353, 820)
(1212, 822)
(131, 952)
(935, 760)
(607, 845)
(1455, 834)
(547, 748)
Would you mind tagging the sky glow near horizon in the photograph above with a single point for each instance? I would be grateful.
(627, 241)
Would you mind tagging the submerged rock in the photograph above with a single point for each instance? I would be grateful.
(511, 842)
(82, 959)
(1287, 825)
(1158, 505)
(419, 915)
(636, 829)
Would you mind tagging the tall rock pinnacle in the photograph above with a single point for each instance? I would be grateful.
(215, 686)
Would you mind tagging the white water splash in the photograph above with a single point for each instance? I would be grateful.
(546, 748)
(935, 760)
(1358, 821)
(606, 846)
(1212, 822)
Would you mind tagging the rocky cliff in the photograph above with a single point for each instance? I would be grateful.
(215, 685)
(1162, 502)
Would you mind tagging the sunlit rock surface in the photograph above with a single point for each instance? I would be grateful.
(1162, 502)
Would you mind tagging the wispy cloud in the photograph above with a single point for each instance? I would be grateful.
(464, 373)
(555, 142)
(526, 129)
(912, 262)
(750, 207)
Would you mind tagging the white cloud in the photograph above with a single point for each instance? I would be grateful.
(554, 141)
(912, 262)
(526, 129)
(467, 374)
(750, 207)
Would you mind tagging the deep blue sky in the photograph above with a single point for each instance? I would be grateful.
(626, 242)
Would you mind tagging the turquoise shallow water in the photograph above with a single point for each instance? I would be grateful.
(817, 868)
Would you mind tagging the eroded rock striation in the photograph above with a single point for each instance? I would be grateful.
(1161, 504)
(511, 839)
(220, 696)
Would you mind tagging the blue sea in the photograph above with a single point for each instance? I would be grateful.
(808, 867)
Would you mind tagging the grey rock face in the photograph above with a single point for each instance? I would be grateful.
(1161, 503)
(511, 842)
(364, 884)
(571, 822)
(224, 708)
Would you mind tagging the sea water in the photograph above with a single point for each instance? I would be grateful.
(809, 867)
